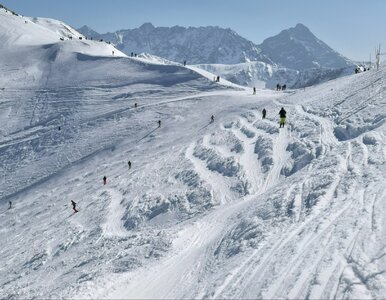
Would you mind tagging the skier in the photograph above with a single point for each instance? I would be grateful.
(264, 113)
(59, 128)
(254, 90)
(218, 78)
(184, 63)
(104, 180)
(284, 87)
(112, 53)
(282, 114)
(74, 206)
(10, 204)
(212, 119)
(159, 123)
(129, 164)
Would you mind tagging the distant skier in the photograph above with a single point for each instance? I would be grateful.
(112, 53)
(129, 164)
(159, 123)
(284, 87)
(184, 63)
(218, 78)
(278, 87)
(212, 119)
(264, 113)
(283, 115)
(59, 128)
(10, 204)
(254, 90)
(104, 180)
(74, 206)
(135, 104)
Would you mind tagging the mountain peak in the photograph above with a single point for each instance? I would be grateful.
(298, 48)
(147, 26)
(300, 30)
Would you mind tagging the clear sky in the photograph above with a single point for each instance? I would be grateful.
(352, 27)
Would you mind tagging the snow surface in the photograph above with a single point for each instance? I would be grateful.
(235, 208)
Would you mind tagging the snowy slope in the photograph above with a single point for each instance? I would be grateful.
(234, 208)
(304, 218)
(264, 75)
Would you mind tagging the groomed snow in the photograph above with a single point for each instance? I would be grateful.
(235, 208)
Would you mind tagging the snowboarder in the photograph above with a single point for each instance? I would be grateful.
(282, 114)
(104, 180)
(212, 119)
(264, 113)
(74, 206)
(159, 123)
(254, 90)
(129, 164)
(10, 204)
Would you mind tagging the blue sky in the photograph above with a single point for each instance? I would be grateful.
(352, 27)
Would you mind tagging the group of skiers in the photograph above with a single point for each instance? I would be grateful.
(282, 115)
(73, 203)
(361, 69)
(281, 87)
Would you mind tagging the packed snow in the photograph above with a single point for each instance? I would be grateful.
(230, 208)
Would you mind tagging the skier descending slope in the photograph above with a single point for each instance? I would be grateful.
(104, 180)
(282, 114)
(74, 206)
(264, 113)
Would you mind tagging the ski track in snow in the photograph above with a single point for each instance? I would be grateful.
(114, 224)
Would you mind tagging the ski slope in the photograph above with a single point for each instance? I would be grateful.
(235, 208)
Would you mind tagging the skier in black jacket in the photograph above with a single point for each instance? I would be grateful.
(282, 114)
(74, 206)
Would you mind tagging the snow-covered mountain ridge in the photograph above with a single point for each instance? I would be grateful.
(234, 208)
(294, 57)
(295, 48)
(210, 44)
